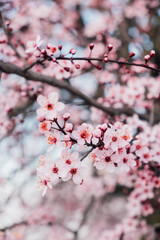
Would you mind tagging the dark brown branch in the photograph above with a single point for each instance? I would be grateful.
(109, 60)
(89, 59)
(10, 68)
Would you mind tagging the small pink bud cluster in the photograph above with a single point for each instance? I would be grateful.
(148, 57)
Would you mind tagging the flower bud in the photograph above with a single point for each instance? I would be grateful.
(77, 66)
(7, 23)
(91, 46)
(146, 58)
(131, 54)
(110, 47)
(69, 127)
(105, 59)
(66, 116)
(41, 118)
(152, 53)
(49, 45)
(72, 51)
(60, 47)
(98, 67)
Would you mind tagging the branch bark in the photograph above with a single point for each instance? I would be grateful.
(10, 68)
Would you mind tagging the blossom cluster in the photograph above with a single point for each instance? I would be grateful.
(106, 146)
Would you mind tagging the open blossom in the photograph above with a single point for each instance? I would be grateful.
(83, 133)
(138, 148)
(49, 106)
(104, 160)
(117, 138)
(44, 126)
(127, 162)
(33, 45)
(56, 171)
(68, 158)
(75, 172)
(53, 139)
(43, 183)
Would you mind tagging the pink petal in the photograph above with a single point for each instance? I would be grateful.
(42, 100)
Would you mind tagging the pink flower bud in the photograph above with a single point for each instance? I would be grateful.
(103, 127)
(152, 53)
(91, 46)
(77, 66)
(131, 54)
(41, 118)
(69, 127)
(8, 23)
(43, 51)
(146, 58)
(105, 59)
(49, 45)
(110, 47)
(66, 116)
(60, 47)
(72, 51)
(98, 67)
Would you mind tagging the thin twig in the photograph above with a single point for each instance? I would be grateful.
(2, 24)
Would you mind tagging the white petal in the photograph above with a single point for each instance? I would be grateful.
(77, 179)
(60, 106)
(53, 97)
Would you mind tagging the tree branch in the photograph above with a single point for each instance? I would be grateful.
(10, 68)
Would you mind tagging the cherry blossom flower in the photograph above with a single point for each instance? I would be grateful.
(33, 45)
(43, 183)
(44, 126)
(138, 148)
(127, 162)
(68, 158)
(49, 106)
(75, 172)
(56, 171)
(83, 133)
(104, 160)
(147, 209)
(53, 139)
(112, 138)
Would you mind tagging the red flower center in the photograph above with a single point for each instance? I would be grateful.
(50, 106)
(146, 155)
(125, 137)
(114, 139)
(84, 134)
(125, 160)
(68, 161)
(44, 126)
(55, 170)
(108, 159)
(52, 140)
(73, 171)
(138, 147)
